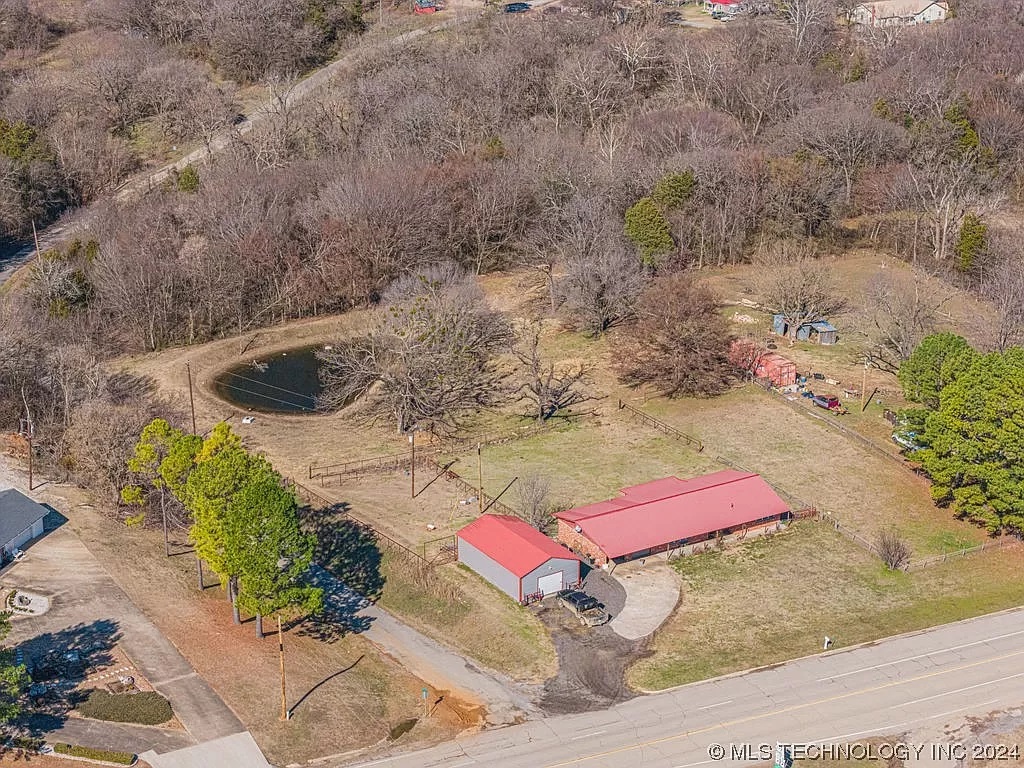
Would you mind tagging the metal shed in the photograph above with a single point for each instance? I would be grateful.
(820, 331)
(516, 558)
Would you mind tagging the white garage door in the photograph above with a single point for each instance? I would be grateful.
(550, 583)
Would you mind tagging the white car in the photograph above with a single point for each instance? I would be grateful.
(17, 555)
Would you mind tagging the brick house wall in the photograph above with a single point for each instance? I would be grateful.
(579, 543)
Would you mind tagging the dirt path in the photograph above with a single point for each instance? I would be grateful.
(592, 664)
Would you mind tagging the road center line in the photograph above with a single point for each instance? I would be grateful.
(919, 656)
(785, 710)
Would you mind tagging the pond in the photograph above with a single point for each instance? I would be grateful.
(285, 382)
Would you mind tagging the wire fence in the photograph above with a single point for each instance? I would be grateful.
(317, 501)
(424, 456)
(490, 503)
(661, 426)
(925, 562)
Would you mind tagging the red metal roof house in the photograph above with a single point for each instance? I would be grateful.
(516, 558)
(670, 513)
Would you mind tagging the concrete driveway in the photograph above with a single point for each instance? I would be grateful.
(652, 591)
(89, 610)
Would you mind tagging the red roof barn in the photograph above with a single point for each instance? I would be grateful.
(670, 513)
(516, 558)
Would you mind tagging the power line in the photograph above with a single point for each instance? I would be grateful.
(269, 386)
(267, 397)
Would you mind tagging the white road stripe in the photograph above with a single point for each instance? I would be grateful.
(961, 690)
(919, 656)
(712, 706)
(585, 735)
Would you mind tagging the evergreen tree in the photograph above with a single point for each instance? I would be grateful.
(971, 242)
(267, 549)
(935, 363)
(674, 189)
(974, 442)
(649, 230)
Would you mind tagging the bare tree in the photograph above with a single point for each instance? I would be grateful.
(533, 496)
(600, 291)
(847, 136)
(428, 360)
(1003, 286)
(802, 290)
(903, 309)
(679, 343)
(893, 549)
(809, 23)
(549, 388)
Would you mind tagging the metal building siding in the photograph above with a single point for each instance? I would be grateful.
(32, 532)
(492, 571)
(570, 569)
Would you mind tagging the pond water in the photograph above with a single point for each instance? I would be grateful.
(285, 382)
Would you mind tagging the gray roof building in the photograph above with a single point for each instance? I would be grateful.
(21, 520)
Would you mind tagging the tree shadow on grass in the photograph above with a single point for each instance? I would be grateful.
(57, 663)
(348, 569)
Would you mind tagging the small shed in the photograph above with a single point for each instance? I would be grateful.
(819, 331)
(763, 364)
(516, 558)
(21, 520)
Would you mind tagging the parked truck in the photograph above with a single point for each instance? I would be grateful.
(829, 403)
(587, 609)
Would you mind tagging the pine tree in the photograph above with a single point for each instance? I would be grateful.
(268, 551)
(648, 228)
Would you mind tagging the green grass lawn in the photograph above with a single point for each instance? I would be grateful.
(775, 599)
(588, 461)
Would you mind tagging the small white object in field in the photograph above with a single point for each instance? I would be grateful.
(328, 347)
(431, 527)
(248, 419)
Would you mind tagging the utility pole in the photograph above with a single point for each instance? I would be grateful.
(163, 508)
(191, 401)
(280, 653)
(35, 236)
(864, 388)
(480, 475)
(28, 431)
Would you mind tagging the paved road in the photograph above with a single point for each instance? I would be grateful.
(910, 684)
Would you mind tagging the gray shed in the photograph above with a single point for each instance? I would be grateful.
(516, 558)
(21, 520)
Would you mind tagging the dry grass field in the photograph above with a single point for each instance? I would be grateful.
(775, 599)
(816, 581)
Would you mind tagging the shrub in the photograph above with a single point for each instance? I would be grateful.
(147, 708)
(893, 549)
(649, 230)
(107, 756)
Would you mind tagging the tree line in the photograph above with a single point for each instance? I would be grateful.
(613, 159)
(242, 518)
(968, 427)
